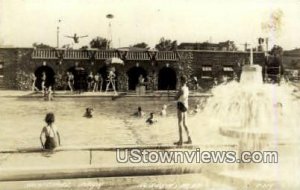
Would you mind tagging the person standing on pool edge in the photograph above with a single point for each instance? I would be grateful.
(182, 107)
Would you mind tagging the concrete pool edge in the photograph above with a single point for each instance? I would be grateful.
(112, 148)
(97, 171)
(65, 94)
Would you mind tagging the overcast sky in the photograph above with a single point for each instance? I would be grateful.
(23, 22)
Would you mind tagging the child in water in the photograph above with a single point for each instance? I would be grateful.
(151, 120)
(48, 94)
(89, 112)
(139, 113)
(197, 109)
(52, 137)
(163, 111)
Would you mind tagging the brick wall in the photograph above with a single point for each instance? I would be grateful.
(16, 59)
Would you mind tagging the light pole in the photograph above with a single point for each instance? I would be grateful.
(57, 34)
(109, 17)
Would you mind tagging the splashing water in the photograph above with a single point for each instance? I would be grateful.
(254, 110)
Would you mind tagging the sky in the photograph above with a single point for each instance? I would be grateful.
(24, 22)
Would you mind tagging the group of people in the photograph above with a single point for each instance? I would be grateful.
(93, 82)
(52, 137)
(182, 110)
(150, 120)
(47, 90)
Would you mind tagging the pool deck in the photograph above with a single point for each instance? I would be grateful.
(66, 94)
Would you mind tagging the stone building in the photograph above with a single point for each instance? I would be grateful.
(161, 69)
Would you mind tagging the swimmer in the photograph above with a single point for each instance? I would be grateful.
(163, 111)
(197, 108)
(48, 93)
(89, 112)
(139, 113)
(151, 120)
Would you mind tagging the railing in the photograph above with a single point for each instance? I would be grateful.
(76, 54)
(166, 55)
(105, 54)
(137, 56)
(44, 54)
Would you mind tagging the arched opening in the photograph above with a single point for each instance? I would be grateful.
(103, 72)
(80, 77)
(167, 79)
(49, 76)
(133, 76)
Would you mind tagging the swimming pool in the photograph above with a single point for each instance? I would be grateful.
(113, 124)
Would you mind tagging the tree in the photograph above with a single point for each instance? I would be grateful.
(185, 65)
(274, 60)
(84, 47)
(276, 51)
(100, 43)
(67, 46)
(141, 45)
(166, 45)
(41, 45)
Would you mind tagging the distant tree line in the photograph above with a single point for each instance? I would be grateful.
(103, 43)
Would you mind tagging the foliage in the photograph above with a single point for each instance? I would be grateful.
(122, 81)
(276, 51)
(276, 56)
(166, 45)
(41, 45)
(67, 46)
(60, 82)
(141, 45)
(84, 47)
(100, 43)
(24, 81)
(185, 65)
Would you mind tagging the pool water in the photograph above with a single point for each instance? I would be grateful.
(22, 120)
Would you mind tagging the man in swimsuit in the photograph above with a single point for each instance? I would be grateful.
(182, 107)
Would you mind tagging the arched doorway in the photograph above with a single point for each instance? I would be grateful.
(167, 79)
(49, 76)
(103, 72)
(80, 77)
(133, 76)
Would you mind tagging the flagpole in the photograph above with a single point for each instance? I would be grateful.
(57, 34)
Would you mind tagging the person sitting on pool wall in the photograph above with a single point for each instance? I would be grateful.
(182, 107)
(50, 132)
